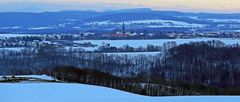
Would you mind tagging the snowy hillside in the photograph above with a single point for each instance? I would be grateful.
(62, 92)
(158, 23)
(156, 42)
(110, 20)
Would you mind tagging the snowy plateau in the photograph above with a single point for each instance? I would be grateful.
(72, 92)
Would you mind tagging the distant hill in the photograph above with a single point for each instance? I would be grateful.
(142, 18)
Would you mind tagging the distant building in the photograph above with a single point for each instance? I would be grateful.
(122, 33)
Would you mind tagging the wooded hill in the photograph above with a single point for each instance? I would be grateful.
(189, 69)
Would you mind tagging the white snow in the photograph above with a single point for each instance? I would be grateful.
(17, 49)
(135, 53)
(71, 19)
(77, 27)
(193, 17)
(101, 23)
(63, 24)
(63, 92)
(237, 30)
(154, 23)
(80, 48)
(12, 35)
(90, 48)
(13, 27)
(43, 77)
(166, 23)
(225, 20)
(40, 28)
(156, 42)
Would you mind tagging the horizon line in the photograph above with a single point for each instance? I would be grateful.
(115, 10)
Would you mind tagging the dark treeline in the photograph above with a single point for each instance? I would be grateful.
(127, 48)
(207, 63)
(95, 77)
(137, 84)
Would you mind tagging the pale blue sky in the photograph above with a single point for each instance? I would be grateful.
(225, 6)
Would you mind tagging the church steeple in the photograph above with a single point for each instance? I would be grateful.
(123, 28)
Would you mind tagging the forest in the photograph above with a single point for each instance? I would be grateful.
(199, 68)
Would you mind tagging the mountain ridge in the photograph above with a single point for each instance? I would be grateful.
(74, 20)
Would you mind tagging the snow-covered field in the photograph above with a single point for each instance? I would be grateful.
(156, 42)
(225, 20)
(18, 49)
(40, 28)
(151, 23)
(63, 92)
(42, 77)
(12, 35)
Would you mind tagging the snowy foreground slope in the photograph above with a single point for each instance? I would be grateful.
(63, 92)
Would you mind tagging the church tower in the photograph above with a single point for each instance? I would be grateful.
(123, 28)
